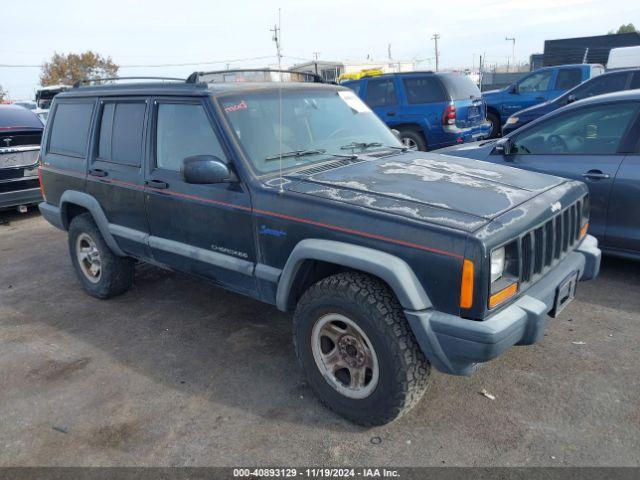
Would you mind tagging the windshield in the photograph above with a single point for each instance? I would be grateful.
(316, 125)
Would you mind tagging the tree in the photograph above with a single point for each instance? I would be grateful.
(68, 69)
(3, 94)
(628, 28)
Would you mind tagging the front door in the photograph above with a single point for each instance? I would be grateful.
(531, 90)
(582, 144)
(203, 229)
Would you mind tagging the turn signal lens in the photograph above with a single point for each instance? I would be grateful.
(502, 295)
(583, 230)
(466, 289)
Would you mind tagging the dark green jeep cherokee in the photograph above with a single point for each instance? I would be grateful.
(296, 194)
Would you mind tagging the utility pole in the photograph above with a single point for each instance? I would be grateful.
(277, 39)
(435, 38)
(389, 51)
(513, 49)
(315, 57)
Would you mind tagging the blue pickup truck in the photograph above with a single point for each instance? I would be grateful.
(430, 109)
(540, 86)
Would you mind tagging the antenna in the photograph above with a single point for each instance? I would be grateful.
(276, 39)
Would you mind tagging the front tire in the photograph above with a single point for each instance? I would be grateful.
(494, 119)
(357, 349)
(102, 273)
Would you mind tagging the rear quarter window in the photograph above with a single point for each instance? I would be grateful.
(426, 89)
(70, 128)
(460, 87)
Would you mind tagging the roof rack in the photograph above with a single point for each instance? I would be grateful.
(253, 75)
(87, 81)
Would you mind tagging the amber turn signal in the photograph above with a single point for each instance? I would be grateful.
(502, 295)
(583, 230)
(466, 289)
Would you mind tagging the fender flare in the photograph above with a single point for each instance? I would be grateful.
(91, 204)
(391, 269)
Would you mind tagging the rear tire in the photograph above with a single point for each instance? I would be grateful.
(371, 336)
(413, 139)
(102, 273)
(496, 128)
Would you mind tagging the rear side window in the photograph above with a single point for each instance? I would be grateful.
(184, 130)
(380, 92)
(460, 87)
(635, 81)
(355, 86)
(568, 78)
(424, 90)
(70, 129)
(120, 138)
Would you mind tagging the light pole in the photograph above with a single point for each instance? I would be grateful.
(435, 38)
(513, 49)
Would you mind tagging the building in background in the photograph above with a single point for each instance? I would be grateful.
(330, 71)
(586, 49)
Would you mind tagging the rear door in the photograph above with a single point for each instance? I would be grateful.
(203, 229)
(380, 95)
(581, 144)
(566, 79)
(115, 176)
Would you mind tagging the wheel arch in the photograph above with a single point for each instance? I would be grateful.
(73, 203)
(337, 256)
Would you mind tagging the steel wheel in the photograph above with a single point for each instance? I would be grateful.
(409, 143)
(345, 356)
(88, 258)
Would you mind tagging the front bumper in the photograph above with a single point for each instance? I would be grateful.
(23, 190)
(455, 345)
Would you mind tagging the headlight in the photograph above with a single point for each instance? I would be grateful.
(497, 263)
(512, 120)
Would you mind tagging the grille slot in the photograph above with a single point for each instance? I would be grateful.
(548, 243)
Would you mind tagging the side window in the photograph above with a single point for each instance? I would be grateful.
(424, 90)
(380, 93)
(120, 137)
(568, 78)
(537, 82)
(184, 130)
(603, 84)
(588, 131)
(635, 81)
(70, 129)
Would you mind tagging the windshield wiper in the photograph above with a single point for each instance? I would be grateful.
(364, 145)
(296, 153)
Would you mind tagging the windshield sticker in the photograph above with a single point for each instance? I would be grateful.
(238, 106)
(354, 102)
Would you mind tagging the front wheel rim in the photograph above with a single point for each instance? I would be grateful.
(88, 257)
(345, 356)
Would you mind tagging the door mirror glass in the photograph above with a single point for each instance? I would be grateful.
(571, 98)
(203, 169)
(503, 147)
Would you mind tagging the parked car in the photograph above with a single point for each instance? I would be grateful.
(605, 83)
(539, 86)
(298, 195)
(28, 104)
(430, 110)
(596, 140)
(20, 135)
(624, 57)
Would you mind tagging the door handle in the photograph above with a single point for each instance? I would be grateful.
(596, 175)
(391, 114)
(159, 184)
(96, 172)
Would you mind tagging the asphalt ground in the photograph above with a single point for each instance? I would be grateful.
(179, 372)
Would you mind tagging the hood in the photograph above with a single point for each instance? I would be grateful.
(451, 191)
(492, 94)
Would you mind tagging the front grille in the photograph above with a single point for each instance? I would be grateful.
(545, 245)
(18, 139)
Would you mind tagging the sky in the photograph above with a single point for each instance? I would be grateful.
(161, 32)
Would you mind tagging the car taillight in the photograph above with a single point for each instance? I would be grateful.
(39, 167)
(449, 115)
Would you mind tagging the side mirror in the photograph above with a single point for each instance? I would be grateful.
(571, 98)
(503, 147)
(203, 169)
(513, 88)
